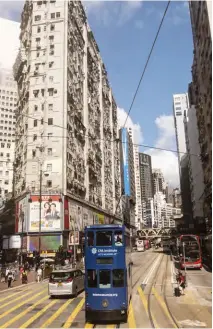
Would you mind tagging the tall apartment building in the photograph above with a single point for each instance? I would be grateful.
(8, 101)
(138, 204)
(67, 120)
(195, 166)
(201, 91)
(145, 163)
(159, 184)
(127, 177)
(180, 111)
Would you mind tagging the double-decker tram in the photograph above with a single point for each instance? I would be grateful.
(189, 251)
(108, 273)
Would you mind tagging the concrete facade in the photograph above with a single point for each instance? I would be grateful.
(201, 90)
(195, 165)
(66, 109)
(8, 101)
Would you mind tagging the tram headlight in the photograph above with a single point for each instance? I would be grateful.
(105, 303)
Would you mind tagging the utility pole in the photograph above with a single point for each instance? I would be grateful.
(22, 232)
(40, 197)
(74, 245)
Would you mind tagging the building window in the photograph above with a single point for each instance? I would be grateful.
(52, 15)
(50, 107)
(49, 183)
(34, 137)
(6, 182)
(52, 27)
(2, 145)
(58, 14)
(37, 18)
(51, 52)
(49, 135)
(8, 155)
(178, 108)
(7, 173)
(35, 123)
(50, 121)
(33, 153)
(38, 29)
(51, 64)
(1, 154)
(8, 146)
(49, 151)
(50, 91)
(42, 121)
(35, 107)
(51, 79)
(51, 38)
(35, 93)
(49, 167)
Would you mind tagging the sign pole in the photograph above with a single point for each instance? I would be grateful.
(40, 197)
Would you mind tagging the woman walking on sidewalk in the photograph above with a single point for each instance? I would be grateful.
(39, 274)
(9, 278)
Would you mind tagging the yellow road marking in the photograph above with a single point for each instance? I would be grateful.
(37, 315)
(74, 314)
(19, 305)
(16, 299)
(145, 304)
(14, 294)
(163, 305)
(20, 315)
(56, 314)
(89, 325)
(131, 317)
(111, 326)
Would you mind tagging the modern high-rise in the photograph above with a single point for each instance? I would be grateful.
(8, 101)
(66, 123)
(180, 107)
(201, 92)
(127, 177)
(159, 184)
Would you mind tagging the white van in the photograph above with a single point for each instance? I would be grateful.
(66, 282)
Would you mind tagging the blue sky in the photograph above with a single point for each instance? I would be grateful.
(125, 31)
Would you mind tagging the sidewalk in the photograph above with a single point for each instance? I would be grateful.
(31, 278)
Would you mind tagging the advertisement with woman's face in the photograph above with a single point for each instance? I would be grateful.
(50, 214)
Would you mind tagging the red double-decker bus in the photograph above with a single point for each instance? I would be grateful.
(189, 251)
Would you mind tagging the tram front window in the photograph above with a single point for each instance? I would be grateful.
(118, 238)
(104, 279)
(104, 238)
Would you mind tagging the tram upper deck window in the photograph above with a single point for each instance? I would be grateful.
(103, 238)
(118, 237)
(90, 239)
(104, 279)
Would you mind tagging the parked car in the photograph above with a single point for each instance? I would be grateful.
(66, 282)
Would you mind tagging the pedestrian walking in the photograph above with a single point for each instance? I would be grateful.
(39, 274)
(24, 277)
(9, 278)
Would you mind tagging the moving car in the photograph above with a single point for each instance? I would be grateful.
(66, 282)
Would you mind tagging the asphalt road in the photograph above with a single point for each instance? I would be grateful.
(153, 304)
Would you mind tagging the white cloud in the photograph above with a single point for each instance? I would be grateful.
(164, 160)
(9, 40)
(112, 12)
(136, 128)
(139, 24)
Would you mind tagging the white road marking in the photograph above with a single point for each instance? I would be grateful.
(146, 279)
(192, 324)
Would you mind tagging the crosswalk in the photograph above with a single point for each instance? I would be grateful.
(31, 307)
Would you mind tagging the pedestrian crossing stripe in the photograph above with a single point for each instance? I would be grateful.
(74, 314)
(14, 294)
(15, 300)
(56, 314)
(37, 315)
(24, 302)
(20, 315)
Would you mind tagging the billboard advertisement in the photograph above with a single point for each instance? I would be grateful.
(73, 238)
(22, 215)
(51, 213)
(48, 242)
(125, 154)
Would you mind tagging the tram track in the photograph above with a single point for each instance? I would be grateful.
(165, 306)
